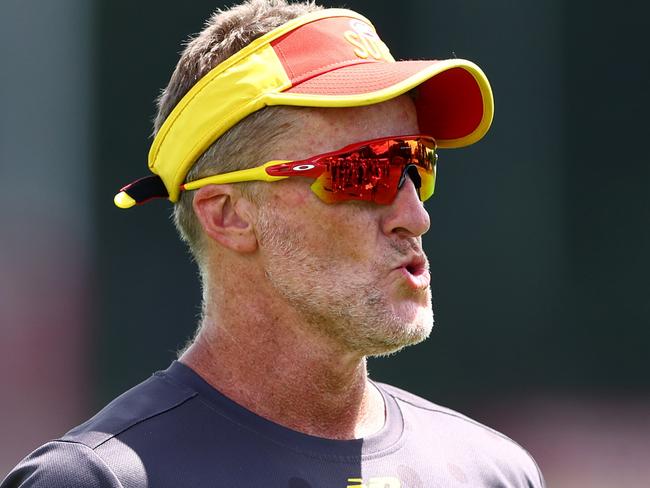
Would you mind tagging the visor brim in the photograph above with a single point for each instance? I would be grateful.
(453, 98)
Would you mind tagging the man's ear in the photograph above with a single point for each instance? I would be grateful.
(226, 217)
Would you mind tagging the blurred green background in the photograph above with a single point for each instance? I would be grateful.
(538, 244)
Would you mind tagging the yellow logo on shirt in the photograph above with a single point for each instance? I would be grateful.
(383, 482)
(366, 42)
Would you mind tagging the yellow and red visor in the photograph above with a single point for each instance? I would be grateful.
(328, 58)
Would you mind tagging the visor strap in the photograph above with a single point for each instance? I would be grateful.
(141, 191)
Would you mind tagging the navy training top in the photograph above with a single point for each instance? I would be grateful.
(175, 430)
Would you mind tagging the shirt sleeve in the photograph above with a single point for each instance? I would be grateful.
(61, 464)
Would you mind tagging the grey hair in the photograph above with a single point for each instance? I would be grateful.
(245, 144)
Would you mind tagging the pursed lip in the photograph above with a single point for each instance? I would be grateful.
(416, 271)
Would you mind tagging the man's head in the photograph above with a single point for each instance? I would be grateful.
(318, 81)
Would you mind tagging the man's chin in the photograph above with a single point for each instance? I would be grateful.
(404, 335)
(413, 313)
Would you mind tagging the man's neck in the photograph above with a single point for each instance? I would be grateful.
(280, 374)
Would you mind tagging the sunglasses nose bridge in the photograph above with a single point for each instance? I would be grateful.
(411, 171)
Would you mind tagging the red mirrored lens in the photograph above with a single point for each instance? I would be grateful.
(373, 172)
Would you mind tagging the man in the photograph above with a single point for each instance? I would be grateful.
(298, 155)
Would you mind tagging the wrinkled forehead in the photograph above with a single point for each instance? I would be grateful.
(319, 130)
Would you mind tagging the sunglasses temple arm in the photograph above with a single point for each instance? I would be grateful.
(252, 174)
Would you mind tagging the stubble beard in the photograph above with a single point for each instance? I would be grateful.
(349, 309)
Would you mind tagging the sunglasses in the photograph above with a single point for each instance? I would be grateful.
(372, 171)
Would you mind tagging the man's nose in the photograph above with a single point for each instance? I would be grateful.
(406, 216)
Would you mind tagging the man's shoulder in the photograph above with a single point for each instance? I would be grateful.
(463, 433)
(61, 464)
(94, 454)
(413, 401)
(151, 398)
(444, 414)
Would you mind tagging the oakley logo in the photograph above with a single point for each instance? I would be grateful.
(384, 482)
(303, 167)
(366, 42)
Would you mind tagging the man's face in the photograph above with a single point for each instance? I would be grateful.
(355, 271)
